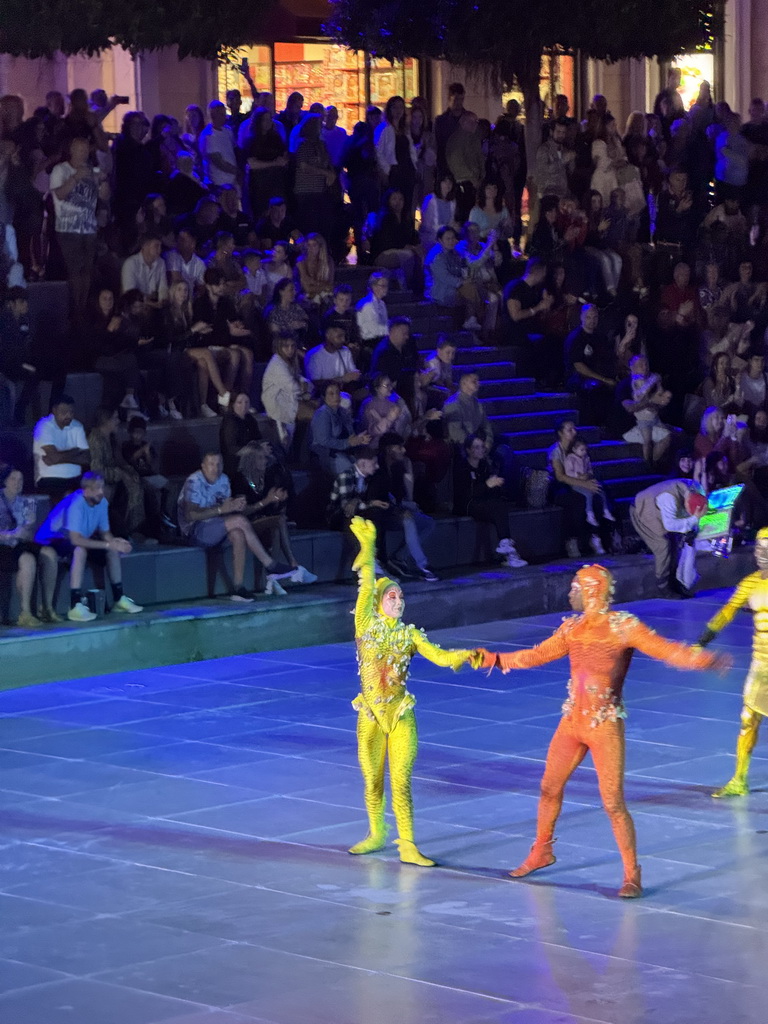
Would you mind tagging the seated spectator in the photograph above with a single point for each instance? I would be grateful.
(209, 516)
(371, 311)
(676, 217)
(262, 483)
(239, 427)
(233, 220)
(489, 213)
(425, 446)
(331, 361)
(578, 466)
(223, 259)
(17, 372)
(285, 394)
(719, 387)
(397, 357)
(384, 412)
(107, 460)
(439, 366)
(332, 438)
(19, 554)
(598, 248)
(145, 272)
(464, 415)
(277, 268)
(255, 278)
(314, 270)
(393, 483)
(139, 453)
(447, 279)
(745, 298)
(185, 336)
(153, 219)
(202, 223)
(589, 366)
(393, 239)
(228, 335)
(285, 315)
(478, 493)
(726, 231)
(525, 300)
(567, 492)
(60, 450)
(546, 243)
(752, 384)
(482, 260)
(438, 208)
(341, 314)
(183, 263)
(78, 530)
(275, 224)
(184, 189)
(114, 345)
(648, 396)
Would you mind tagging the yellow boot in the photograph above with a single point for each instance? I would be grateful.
(750, 725)
(411, 854)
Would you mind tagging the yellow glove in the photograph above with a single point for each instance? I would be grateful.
(365, 531)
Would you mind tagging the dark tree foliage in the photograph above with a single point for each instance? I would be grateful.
(200, 28)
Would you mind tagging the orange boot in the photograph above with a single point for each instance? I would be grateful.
(632, 887)
(541, 856)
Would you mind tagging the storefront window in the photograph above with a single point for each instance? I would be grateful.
(322, 73)
(557, 77)
(695, 68)
(260, 64)
(399, 79)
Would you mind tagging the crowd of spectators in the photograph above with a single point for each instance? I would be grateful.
(195, 251)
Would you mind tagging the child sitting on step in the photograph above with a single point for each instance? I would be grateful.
(579, 466)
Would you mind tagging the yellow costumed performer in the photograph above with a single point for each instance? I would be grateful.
(386, 724)
(752, 592)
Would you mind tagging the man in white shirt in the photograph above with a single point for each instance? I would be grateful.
(183, 263)
(372, 314)
(663, 515)
(60, 450)
(146, 272)
(331, 361)
(217, 148)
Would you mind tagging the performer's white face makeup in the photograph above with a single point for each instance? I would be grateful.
(576, 597)
(761, 555)
(393, 602)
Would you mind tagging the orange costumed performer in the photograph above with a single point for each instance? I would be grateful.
(599, 643)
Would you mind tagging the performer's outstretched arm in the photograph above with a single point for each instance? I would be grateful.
(550, 650)
(727, 613)
(365, 566)
(435, 654)
(647, 641)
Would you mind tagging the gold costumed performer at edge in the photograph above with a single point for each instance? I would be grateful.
(753, 593)
(599, 644)
(386, 724)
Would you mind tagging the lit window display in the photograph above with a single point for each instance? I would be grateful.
(260, 63)
(557, 77)
(393, 80)
(695, 68)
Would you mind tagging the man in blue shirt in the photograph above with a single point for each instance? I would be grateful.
(78, 529)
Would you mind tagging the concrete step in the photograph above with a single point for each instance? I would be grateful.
(477, 354)
(622, 468)
(505, 404)
(527, 421)
(599, 450)
(485, 371)
(628, 487)
(531, 445)
(511, 387)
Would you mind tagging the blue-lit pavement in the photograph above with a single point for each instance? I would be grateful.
(173, 848)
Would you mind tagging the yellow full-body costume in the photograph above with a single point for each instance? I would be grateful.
(386, 724)
(751, 593)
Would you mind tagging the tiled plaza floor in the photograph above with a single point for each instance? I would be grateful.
(173, 849)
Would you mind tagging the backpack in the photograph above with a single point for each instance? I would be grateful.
(536, 488)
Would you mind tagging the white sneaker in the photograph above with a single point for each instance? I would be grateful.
(125, 604)
(572, 548)
(591, 519)
(162, 412)
(302, 575)
(607, 514)
(596, 544)
(173, 412)
(471, 324)
(207, 411)
(514, 561)
(504, 546)
(129, 403)
(224, 399)
(273, 588)
(81, 612)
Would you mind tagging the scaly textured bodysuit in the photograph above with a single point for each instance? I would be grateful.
(599, 644)
(386, 724)
(751, 593)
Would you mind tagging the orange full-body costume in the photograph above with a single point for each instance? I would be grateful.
(599, 643)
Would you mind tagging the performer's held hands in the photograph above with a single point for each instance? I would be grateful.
(722, 664)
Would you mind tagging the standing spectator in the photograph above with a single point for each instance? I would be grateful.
(184, 189)
(334, 137)
(291, 116)
(78, 530)
(194, 123)
(217, 148)
(19, 554)
(60, 450)
(553, 163)
(395, 151)
(133, 176)
(423, 139)
(76, 190)
(209, 516)
(466, 162)
(448, 122)
(362, 178)
(267, 159)
(731, 160)
(313, 180)
(438, 208)
(284, 392)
